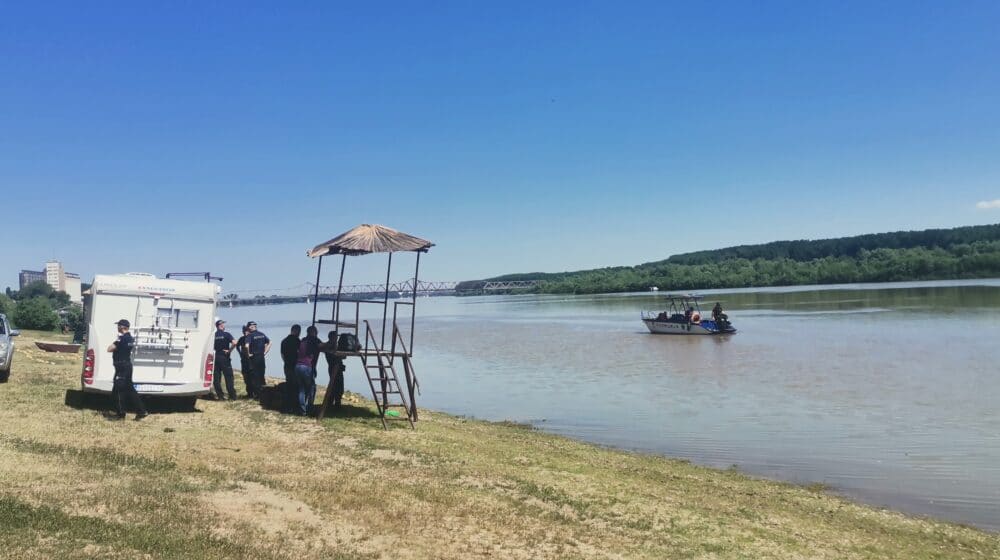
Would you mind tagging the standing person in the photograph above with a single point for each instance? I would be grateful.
(305, 370)
(224, 344)
(258, 345)
(717, 313)
(289, 355)
(121, 357)
(246, 366)
(335, 367)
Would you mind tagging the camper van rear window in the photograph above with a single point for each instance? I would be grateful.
(177, 318)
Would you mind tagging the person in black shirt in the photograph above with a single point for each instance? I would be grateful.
(258, 345)
(335, 367)
(289, 355)
(224, 344)
(246, 366)
(122, 389)
(717, 313)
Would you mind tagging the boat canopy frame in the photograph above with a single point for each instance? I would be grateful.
(685, 300)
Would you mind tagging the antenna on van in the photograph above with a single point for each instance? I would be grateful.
(206, 275)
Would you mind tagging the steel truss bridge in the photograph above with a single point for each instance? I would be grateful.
(305, 292)
(509, 286)
(423, 288)
(395, 288)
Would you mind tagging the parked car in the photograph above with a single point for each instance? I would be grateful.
(6, 348)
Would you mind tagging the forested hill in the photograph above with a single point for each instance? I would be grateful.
(933, 254)
(806, 250)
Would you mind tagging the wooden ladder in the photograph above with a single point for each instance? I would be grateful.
(385, 374)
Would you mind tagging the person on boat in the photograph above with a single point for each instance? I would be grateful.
(692, 316)
(717, 313)
(224, 344)
(123, 388)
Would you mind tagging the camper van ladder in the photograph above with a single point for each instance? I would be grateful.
(159, 331)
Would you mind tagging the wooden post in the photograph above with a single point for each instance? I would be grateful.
(319, 267)
(413, 308)
(340, 286)
(385, 300)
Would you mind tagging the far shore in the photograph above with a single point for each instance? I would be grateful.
(231, 480)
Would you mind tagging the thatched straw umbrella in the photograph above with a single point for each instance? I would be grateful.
(370, 238)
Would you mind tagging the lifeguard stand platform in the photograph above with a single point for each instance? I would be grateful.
(380, 363)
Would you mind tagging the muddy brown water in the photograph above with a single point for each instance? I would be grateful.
(886, 393)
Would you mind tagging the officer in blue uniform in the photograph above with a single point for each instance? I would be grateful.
(245, 367)
(258, 345)
(123, 389)
(224, 344)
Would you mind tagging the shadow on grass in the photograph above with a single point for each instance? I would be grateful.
(154, 405)
(349, 411)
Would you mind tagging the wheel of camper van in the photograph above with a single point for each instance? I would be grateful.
(4, 376)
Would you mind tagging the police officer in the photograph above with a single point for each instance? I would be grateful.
(246, 367)
(122, 389)
(258, 345)
(224, 344)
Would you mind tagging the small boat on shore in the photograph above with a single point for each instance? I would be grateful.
(58, 346)
(684, 317)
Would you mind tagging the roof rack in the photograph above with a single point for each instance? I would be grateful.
(206, 275)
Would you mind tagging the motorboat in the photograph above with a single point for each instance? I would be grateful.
(57, 346)
(684, 317)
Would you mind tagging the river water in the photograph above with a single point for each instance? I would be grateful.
(887, 393)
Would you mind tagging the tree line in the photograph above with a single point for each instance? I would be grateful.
(38, 306)
(935, 254)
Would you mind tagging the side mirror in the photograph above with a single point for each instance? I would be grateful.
(15, 332)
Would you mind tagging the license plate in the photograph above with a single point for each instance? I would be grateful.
(149, 388)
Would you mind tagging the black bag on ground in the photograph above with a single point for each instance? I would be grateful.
(272, 397)
(348, 342)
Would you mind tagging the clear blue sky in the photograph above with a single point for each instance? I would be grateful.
(534, 136)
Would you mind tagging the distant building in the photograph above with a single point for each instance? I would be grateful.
(54, 276)
(71, 283)
(28, 276)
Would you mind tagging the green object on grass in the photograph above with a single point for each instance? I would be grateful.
(393, 413)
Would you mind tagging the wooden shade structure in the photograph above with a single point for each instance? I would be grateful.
(370, 238)
(363, 240)
(366, 239)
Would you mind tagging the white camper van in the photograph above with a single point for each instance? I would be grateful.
(173, 324)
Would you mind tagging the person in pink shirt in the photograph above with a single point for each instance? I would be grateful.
(305, 370)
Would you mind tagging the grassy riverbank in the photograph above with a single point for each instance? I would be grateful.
(234, 481)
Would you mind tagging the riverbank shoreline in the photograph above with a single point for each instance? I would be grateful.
(233, 480)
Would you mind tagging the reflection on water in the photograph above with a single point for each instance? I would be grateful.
(886, 393)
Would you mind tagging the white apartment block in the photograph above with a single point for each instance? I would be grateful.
(54, 275)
